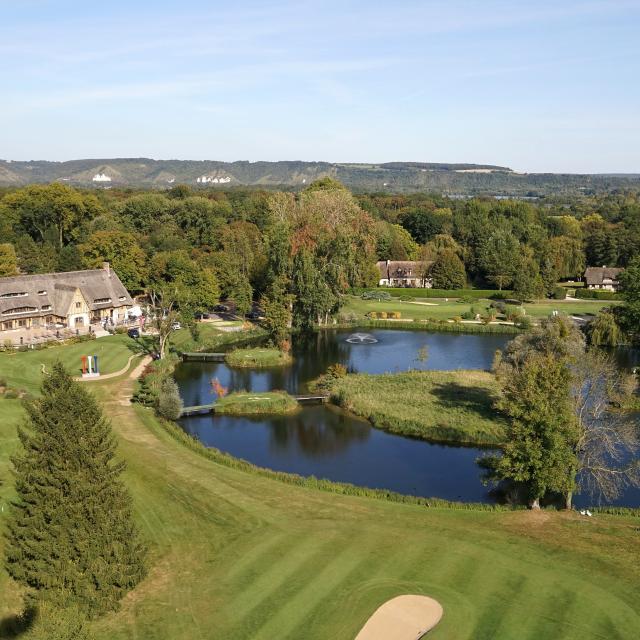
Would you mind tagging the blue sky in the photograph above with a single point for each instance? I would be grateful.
(538, 86)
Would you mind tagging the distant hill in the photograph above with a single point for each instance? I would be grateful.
(394, 177)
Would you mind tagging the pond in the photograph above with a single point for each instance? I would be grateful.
(329, 443)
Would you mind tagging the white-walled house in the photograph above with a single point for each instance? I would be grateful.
(602, 278)
(403, 273)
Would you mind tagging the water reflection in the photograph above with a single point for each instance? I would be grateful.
(328, 443)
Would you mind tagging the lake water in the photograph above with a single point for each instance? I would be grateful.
(329, 443)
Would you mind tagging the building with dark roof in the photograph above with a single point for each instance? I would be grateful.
(404, 273)
(602, 278)
(72, 298)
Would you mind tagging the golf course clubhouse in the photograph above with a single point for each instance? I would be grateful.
(71, 299)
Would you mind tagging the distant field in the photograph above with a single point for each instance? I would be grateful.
(440, 309)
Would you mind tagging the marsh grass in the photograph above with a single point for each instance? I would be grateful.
(243, 403)
(439, 406)
(258, 357)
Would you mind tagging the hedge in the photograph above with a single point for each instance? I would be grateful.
(398, 292)
(597, 294)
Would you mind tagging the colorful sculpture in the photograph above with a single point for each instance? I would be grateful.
(90, 366)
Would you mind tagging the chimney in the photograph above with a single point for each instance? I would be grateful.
(107, 268)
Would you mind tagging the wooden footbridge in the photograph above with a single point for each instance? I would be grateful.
(203, 357)
(304, 399)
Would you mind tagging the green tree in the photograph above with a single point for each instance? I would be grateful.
(603, 330)
(122, 251)
(169, 401)
(313, 297)
(8, 260)
(56, 207)
(71, 538)
(542, 434)
(628, 314)
(498, 256)
(277, 306)
(447, 272)
(527, 281)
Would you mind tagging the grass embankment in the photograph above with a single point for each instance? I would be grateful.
(440, 406)
(213, 336)
(257, 357)
(254, 558)
(22, 369)
(242, 403)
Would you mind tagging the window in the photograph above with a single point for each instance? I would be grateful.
(78, 305)
(18, 310)
(42, 293)
(22, 323)
(46, 307)
(14, 294)
(101, 300)
(121, 298)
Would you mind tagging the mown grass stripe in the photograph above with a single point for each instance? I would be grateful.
(296, 609)
(275, 572)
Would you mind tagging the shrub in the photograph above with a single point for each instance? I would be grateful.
(406, 298)
(559, 293)
(457, 319)
(376, 295)
(11, 394)
(524, 323)
(381, 314)
(169, 400)
(3, 382)
(394, 315)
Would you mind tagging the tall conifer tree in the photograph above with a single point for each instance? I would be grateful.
(71, 537)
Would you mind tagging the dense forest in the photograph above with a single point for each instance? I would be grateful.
(297, 253)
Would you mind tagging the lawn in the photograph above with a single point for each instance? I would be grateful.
(271, 402)
(258, 357)
(440, 309)
(443, 406)
(240, 556)
(22, 369)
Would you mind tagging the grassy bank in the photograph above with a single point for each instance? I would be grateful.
(272, 402)
(257, 357)
(237, 550)
(435, 326)
(22, 369)
(440, 406)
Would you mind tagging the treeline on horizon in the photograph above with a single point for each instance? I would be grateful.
(305, 249)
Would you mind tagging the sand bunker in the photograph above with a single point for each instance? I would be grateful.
(402, 618)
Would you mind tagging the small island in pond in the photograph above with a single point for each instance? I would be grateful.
(258, 357)
(439, 406)
(245, 403)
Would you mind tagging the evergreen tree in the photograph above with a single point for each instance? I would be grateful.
(447, 272)
(71, 538)
(169, 400)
